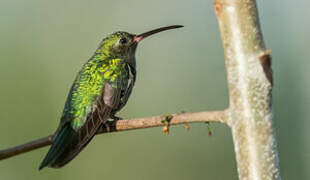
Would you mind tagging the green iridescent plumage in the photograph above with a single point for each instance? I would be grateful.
(88, 86)
(100, 90)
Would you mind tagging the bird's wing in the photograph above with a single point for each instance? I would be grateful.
(86, 132)
(127, 87)
(87, 107)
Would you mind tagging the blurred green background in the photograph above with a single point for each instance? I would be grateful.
(44, 43)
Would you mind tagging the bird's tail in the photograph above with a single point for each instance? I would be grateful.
(60, 143)
(69, 143)
(79, 141)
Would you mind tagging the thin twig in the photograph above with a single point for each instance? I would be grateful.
(124, 125)
(29, 146)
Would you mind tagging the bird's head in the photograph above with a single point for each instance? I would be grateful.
(123, 44)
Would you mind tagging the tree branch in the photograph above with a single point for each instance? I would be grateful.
(249, 78)
(124, 125)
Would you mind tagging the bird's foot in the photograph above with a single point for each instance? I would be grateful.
(106, 126)
(115, 118)
(166, 123)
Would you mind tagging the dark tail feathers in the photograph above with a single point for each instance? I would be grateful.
(60, 143)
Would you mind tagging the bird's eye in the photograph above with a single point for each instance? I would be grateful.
(123, 41)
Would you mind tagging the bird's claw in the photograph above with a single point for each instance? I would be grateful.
(116, 118)
(107, 127)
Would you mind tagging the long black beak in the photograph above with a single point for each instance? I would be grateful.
(140, 37)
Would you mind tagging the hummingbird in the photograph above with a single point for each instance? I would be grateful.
(101, 88)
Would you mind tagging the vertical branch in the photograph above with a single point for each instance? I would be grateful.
(249, 72)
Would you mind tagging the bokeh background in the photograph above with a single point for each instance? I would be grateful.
(44, 43)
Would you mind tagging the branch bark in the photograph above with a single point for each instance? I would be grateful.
(124, 125)
(249, 72)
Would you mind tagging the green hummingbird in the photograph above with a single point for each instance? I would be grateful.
(100, 90)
